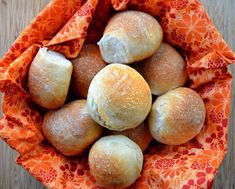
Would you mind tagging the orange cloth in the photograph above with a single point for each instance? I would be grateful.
(63, 26)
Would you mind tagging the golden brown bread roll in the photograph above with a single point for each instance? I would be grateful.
(177, 116)
(70, 129)
(130, 36)
(49, 78)
(115, 161)
(119, 98)
(140, 135)
(163, 71)
(85, 66)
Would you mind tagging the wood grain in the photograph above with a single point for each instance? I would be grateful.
(16, 14)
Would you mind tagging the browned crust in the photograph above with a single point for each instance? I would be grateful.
(135, 30)
(140, 135)
(163, 71)
(120, 97)
(85, 67)
(177, 116)
(70, 129)
(107, 170)
(46, 88)
(108, 159)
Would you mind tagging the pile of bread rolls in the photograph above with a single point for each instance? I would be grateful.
(113, 83)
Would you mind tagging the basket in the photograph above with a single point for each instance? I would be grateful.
(64, 26)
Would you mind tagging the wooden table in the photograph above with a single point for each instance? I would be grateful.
(16, 14)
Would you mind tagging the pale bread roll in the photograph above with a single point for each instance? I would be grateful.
(130, 36)
(85, 67)
(119, 98)
(177, 116)
(115, 161)
(49, 78)
(70, 129)
(140, 135)
(163, 71)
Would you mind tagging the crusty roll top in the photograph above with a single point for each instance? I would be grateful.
(130, 36)
(49, 78)
(70, 129)
(85, 67)
(163, 71)
(119, 98)
(115, 161)
(177, 116)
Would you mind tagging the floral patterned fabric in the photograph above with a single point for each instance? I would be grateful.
(63, 26)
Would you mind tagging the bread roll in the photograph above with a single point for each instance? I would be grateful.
(177, 116)
(70, 129)
(119, 98)
(85, 66)
(130, 36)
(163, 71)
(49, 78)
(140, 135)
(115, 161)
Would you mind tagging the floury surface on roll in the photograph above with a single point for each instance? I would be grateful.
(177, 116)
(85, 67)
(49, 78)
(70, 129)
(130, 36)
(115, 161)
(119, 98)
(163, 71)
